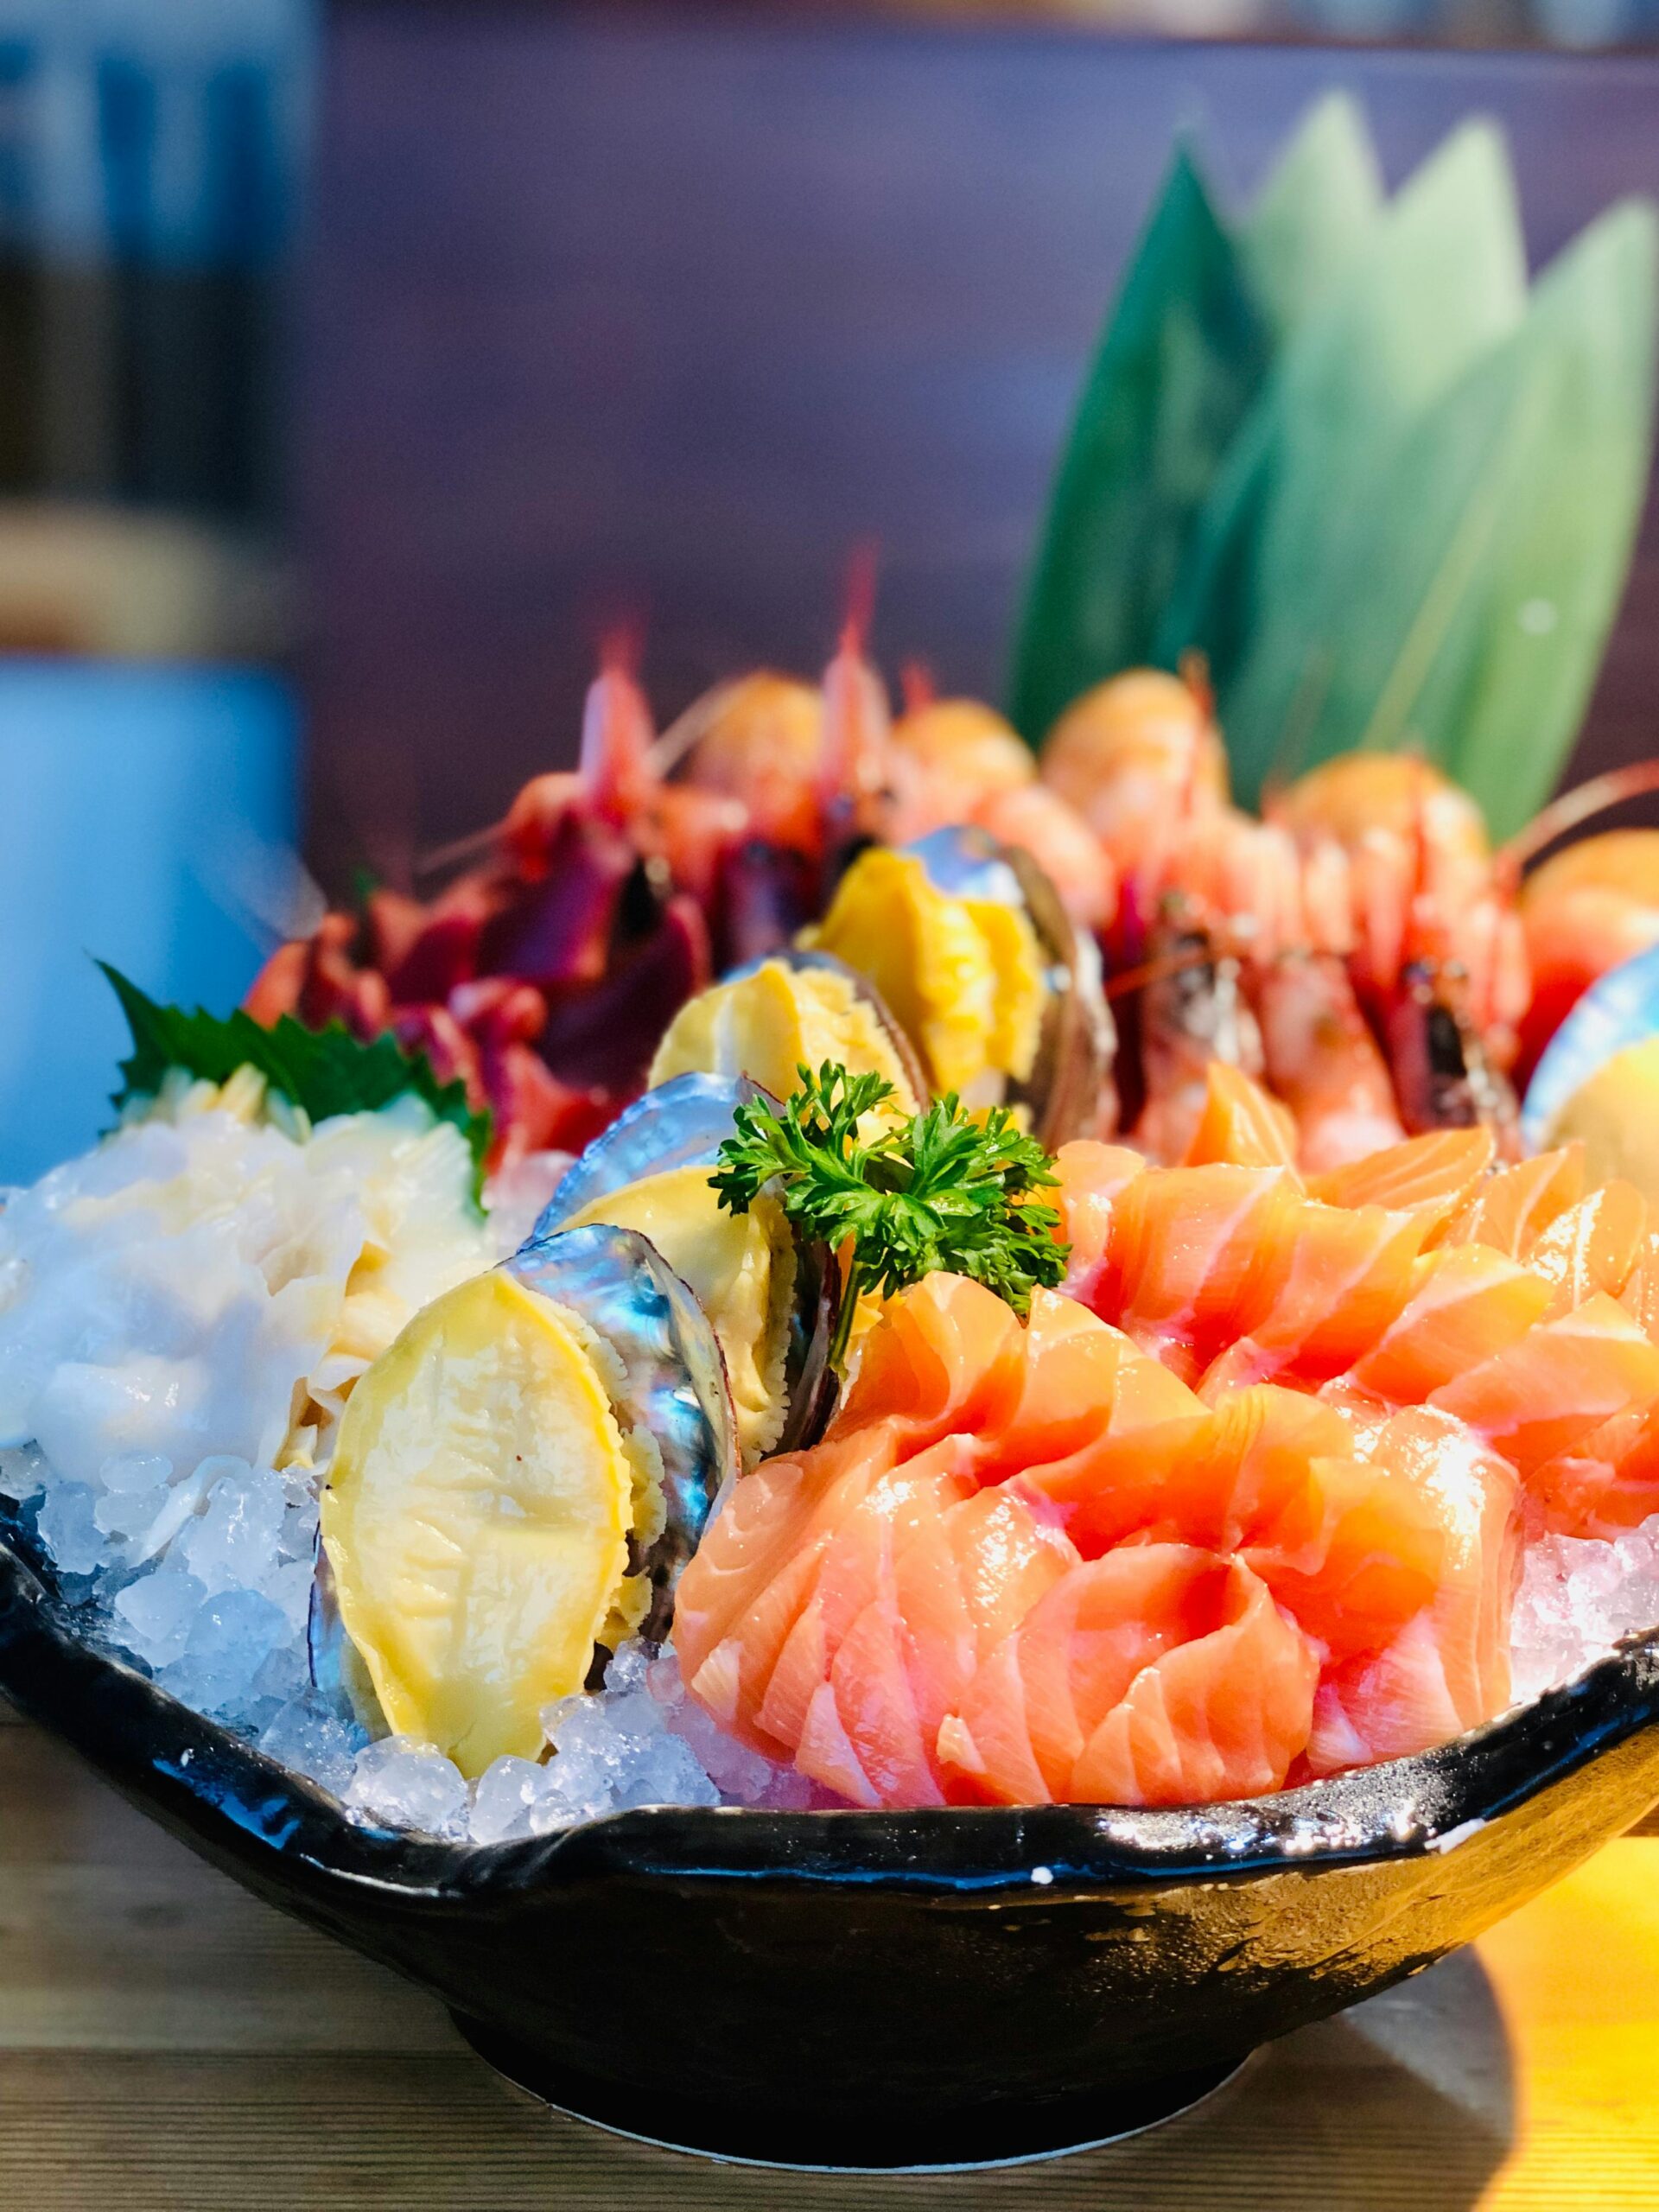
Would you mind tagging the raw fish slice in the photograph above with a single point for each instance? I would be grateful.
(1448, 1669)
(1347, 1276)
(1192, 1247)
(756, 1569)
(1537, 1397)
(965, 1579)
(1593, 1246)
(862, 1734)
(1640, 1296)
(1466, 1303)
(1609, 1482)
(947, 1356)
(1352, 1550)
(1241, 1126)
(1160, 1674)
(1091, 1175)
(1099, 1427)
(852, 1569)
(1224, 1716)
(1512, 1209)
(1435, 1173)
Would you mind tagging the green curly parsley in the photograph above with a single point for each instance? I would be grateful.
(941, 1192)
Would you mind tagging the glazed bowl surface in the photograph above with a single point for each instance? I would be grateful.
(886, 1988)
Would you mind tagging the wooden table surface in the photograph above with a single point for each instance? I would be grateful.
(167, 2041)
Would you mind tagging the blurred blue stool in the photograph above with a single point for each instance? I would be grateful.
(147, 817)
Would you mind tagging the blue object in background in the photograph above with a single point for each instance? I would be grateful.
(148, 812)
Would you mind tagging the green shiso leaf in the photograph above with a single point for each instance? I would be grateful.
(1181, 360)
(1466, 611)
(323, 1072)
(1516, 616)
(1440, 282)
(1314, 214)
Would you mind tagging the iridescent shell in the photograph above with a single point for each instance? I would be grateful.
(1619, 1009)
(674, 1389)
(1069, 1091)
(682, 1123)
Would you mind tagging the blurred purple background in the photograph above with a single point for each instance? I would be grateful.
(665, 313)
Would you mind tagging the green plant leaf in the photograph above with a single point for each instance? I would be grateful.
(323, 1072)
(1441, 283)
(1315, 214)
(1182, 357)
(1494, 578)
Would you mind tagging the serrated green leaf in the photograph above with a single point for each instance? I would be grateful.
(323, 1072)
(1315, 214)
(1442, 281)
(1493, 578)
(1181, 361)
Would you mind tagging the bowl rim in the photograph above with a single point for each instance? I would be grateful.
(202, 1776)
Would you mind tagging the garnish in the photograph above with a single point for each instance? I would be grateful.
(941, 1192)
(323, 1072)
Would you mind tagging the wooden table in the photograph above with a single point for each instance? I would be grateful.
(166, 2041)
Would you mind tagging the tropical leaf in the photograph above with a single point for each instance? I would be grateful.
(1491, 583)
(1315, 214)
(1182, 357)
(1440, 282)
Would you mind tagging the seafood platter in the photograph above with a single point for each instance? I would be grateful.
(921, 1380)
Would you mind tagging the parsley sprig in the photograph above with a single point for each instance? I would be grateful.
(942, 1191)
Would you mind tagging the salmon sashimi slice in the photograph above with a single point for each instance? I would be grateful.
(1192, 1247)
(1592, 1246)
(1608, 1481)
(1540, 1395)
(1159, 1674)
(1351, 1549)
(1099, 1428)
(1448, 1668)
(964, 1580)
(1435, 1173)
(848, 1572)
(756, 1570)
(1512, 1209)
(948, 1356)
(1467, 1302)
(1640, 1296)
(1090, 1175)
(1346, 1274)
(1241, 1126)
(767, 1518)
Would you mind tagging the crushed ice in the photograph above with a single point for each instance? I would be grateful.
(1578, 1596)
(141, 1372)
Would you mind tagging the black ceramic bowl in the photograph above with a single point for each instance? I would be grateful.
(878, 1989)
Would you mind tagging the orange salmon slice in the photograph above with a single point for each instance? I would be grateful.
(1592, 1246)
(1346, 1274)
(1435, 1173)
(948, 1356)
(1241, 1126)
(1448, 1668)
(1608, 1481)
(1192, 1247)
(1538, 1396)
(1090, 1176)
(1465, 1303)
(1159, 1674)
(1513, 1208)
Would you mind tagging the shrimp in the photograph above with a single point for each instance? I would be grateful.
(1134, 756)
(1192, 1011)
(1321, 1058)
